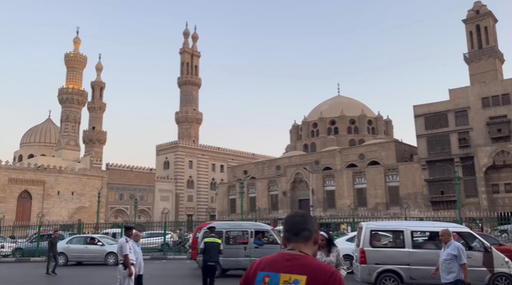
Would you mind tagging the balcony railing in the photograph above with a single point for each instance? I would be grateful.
(482, 52)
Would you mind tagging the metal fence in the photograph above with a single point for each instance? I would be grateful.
(161, 238)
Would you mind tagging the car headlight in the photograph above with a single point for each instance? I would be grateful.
(508, 263)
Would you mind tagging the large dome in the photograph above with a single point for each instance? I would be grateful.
(332, 108)
(44, 134)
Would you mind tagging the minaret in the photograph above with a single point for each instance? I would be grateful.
(95, 137)
(188, 118)
(72, 98)
(484, 58)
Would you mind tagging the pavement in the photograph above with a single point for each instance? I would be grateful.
(155, 272)
(43, 259)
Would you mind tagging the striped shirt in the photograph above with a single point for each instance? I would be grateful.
(453, 256)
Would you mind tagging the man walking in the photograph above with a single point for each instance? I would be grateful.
(126, 270)
(52, 253)
(452, 264)
(139, 262)
(211, 249)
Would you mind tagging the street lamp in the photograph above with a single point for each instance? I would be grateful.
(98, 210)
(2, 219)
(404, 206)
(135, 207)
(311, 206)
(242, 193)
(352, 208)
(456, 185)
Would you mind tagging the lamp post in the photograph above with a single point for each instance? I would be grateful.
(404, 206)
(165, 214)
(456, 186)
(311, 204)
(98, 210)
(352, 208)
(242, 194)
(135, 208)
(2, 219)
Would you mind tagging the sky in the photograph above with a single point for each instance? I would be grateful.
(264, 64)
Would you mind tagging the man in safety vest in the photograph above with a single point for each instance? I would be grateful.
(211, 249)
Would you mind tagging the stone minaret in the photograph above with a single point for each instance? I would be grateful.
(484, 58)
(72, 99)
(95, 137)
(188, 118)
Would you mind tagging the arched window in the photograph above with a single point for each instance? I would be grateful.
(327, 168)
(181, 71)
(336, 131)
(356, 130)
(195, 71)
(313, 147)
(30, 156)
(190, 183)
(24, 207)
(373, 163)
(167, 164)
(352, 142)
(486, 31)
(352, 165)
(305, 148)
(20, 158)
(349, 130)
(317, 132)
(479, 37)
(368, 130)
(43, 154)
(312, 133)
(471, 41)
(373, 130)
(360, 141)
(213, 185)
(329, 131)
(188, 69)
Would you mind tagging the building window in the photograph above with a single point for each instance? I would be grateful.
(167, 164)
(437, 121)
(190, 183)
(495, 188)
(505, 99)
(461, 118)
(252, 204)
(274, 202)
(213, 185)
(356, 130)
(486, 102)
(479, 37)
(313, 147)
(329, 131)
(471, 40)
(190, 164)
(317, 132)
(486, 35)
(361, 198)
(468, 176)
(337, 131)
(213, 167)
(305, 148)
(508, 187)
(20, 158)
(439, 145)
(394, 196)
(222, 168)
(440, 168)
(496, 101)
(360, 141)
(330, 199)
(312, 133)
(190, 198)
(349, 130)
(464, 139)
(232, 205)
(352, 142)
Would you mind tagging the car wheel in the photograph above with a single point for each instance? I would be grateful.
(63, 259)
(111, 259)
(388, 279)
(501, 279)
(17, 253)
(349, 263)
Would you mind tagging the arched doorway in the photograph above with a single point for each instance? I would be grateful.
(299, 193)
(143, 215)
(498, 176)
(119, 215)
(24, 207)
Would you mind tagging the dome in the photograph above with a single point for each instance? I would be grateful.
(44, 134)
(293, 153)
(332, 108)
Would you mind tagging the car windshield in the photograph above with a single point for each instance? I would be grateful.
(108, 240)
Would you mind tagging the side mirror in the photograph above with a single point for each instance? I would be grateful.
(100, 244)
(488, 248)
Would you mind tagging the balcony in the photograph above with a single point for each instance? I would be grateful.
(472, 55)
(446, 197)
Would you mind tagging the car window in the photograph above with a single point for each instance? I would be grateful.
(426, 240)
(77, 241)
(490, 240)
(219, 235)
(62, 237)
(351, 239)
(387, 239)
(358, 236)
(267, 237)
(44, 237)
(469, 241)
(108, 240)
(237, 237)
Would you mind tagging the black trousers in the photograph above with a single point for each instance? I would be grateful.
(209, 269)
(138, 280)
(49, 260)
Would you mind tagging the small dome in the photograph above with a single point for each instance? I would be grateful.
(292, 153)
(332, 108)
(44, 134)
(99, 66)
(375, 141)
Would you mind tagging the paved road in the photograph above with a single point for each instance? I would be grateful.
(155, 272)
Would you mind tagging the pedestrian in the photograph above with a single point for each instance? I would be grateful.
(181, 234)
(452, 266)
(139, 261)
(52, 253)
(330, 254)
(211, 249)
(297, 263)
(126, 270)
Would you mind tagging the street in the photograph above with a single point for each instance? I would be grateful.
(155, 272)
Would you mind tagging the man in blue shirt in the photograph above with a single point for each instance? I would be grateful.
(258, 239)
(452, 264)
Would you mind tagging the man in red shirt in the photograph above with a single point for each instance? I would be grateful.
(297, 265)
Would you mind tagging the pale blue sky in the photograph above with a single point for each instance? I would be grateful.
(264, 64)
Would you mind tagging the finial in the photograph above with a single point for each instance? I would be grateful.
(99, 57)
(186, 25)
(195, 28)
(338, 89)
(77, 30)
(49, 113)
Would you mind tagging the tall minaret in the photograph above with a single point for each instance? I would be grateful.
(72, 99)
(188, 118)
(95, 137)
(484, 58)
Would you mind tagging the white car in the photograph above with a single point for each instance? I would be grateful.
(346, 246)
(155, 239)
(6, 246)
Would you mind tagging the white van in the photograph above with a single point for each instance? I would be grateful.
(395, 253)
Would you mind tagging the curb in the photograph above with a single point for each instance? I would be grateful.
(43, 259)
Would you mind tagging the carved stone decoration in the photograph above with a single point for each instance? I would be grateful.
(503, 157)
(329, 182)
(359, 180)
(232, 191)
(392, 178)
(273, 187)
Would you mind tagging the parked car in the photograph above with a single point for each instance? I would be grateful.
(155, 239)
(6, 246)
(113, 233)
(88, 248)
(346, 247)
(29, 248)
(503, 248)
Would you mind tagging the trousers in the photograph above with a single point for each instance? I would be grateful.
(122, 276)
(138, 280)
(209, 269)
(49, 261)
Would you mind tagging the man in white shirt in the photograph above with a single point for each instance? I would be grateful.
(139, 261)
(126, 269)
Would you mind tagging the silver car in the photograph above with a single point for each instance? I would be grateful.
(88, 248)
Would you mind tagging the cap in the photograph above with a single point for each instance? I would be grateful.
(129, 228)
(211, 228)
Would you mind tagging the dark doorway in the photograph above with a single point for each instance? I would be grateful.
(24, 207)
(304, 205)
